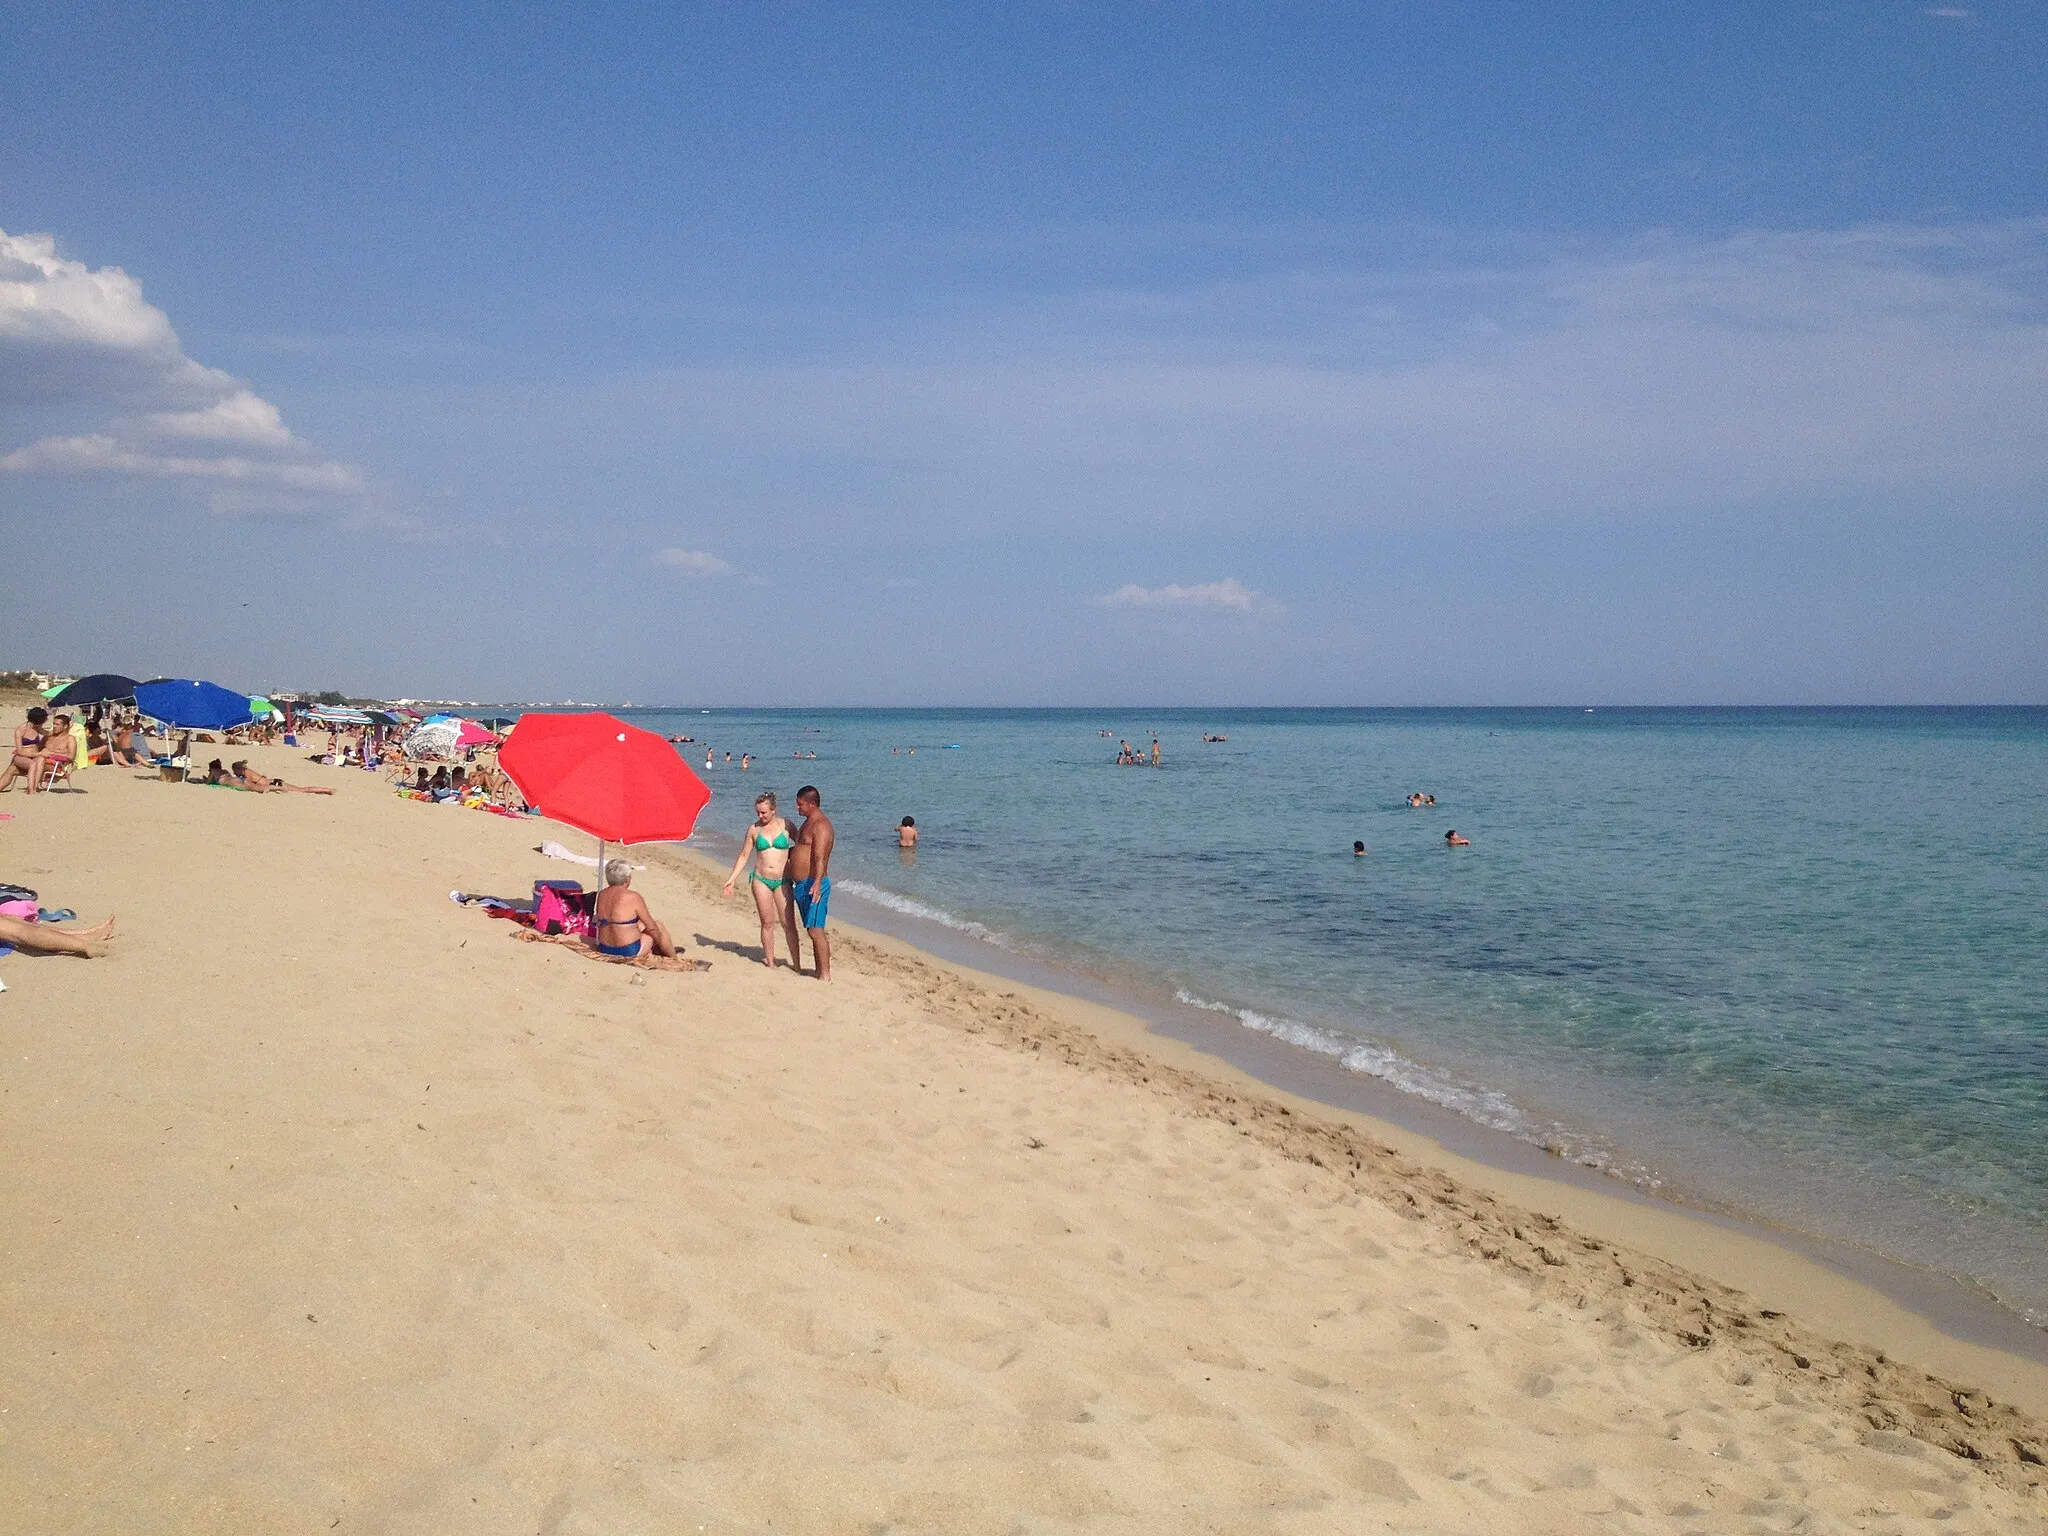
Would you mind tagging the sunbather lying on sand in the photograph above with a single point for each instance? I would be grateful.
(263, 784)
(49, 939)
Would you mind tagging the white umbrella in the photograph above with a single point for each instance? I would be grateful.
(434, 739)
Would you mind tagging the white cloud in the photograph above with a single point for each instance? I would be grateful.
(1230, 594)
(98, 453)
(692, 562)
(241, 418)
(83, 347)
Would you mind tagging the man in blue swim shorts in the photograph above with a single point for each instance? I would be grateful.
(810, 882)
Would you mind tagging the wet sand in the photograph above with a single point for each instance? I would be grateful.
(332, 1206)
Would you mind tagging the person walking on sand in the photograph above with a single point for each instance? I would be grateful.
(810, 881)
(767, 844)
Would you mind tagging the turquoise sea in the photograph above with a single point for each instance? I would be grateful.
(1785, 963)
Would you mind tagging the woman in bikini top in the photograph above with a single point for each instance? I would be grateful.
(767, 844)
(27, 760)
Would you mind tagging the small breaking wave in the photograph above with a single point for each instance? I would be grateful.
(1486, 1106)
(917, 909)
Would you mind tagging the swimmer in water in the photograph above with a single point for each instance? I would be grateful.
(1452, 840)
(1358, 850)
(906, 833)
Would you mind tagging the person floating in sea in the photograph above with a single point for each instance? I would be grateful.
(810, 882)
(1358, 850)
(906, 832)
(623, 925)
(767, 843)
(746, 761)
(1452, 840)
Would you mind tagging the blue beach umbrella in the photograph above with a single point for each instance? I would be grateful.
(180, 702)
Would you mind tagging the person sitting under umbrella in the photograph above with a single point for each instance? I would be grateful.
(27, 762)
(61, 749)
(131, 743)
(624, 927)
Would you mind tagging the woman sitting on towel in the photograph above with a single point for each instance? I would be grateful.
(623, 926)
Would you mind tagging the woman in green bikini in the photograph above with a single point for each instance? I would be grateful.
(767, 844)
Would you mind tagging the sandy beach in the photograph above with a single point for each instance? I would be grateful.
(331, 1205)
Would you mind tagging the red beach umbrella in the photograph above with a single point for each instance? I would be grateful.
(602, 776)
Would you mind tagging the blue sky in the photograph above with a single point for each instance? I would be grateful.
(791, 354)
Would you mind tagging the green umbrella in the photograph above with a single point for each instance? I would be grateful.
(258, 705)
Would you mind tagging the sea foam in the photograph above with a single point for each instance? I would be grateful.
(909, 907)
(1485, 1106)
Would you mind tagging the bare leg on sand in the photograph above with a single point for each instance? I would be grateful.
(49, 939)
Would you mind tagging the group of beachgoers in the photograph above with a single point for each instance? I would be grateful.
(1128, 756)
(1418, 801)
(481, 785)
(791, 876)
(47, 747)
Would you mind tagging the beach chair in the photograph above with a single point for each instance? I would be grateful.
(55, 773)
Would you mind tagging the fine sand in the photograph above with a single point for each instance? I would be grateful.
(329, 1205)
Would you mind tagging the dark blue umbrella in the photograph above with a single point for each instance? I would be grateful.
(97, 689)
(193, 706)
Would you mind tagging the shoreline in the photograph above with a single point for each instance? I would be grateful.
(1942, 1305)
(1865, 1298)
(353, 1210)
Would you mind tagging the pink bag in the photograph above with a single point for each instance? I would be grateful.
(551, 914)
(24, 910)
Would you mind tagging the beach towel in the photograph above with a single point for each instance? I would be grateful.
(557, 851)
(644, 962)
